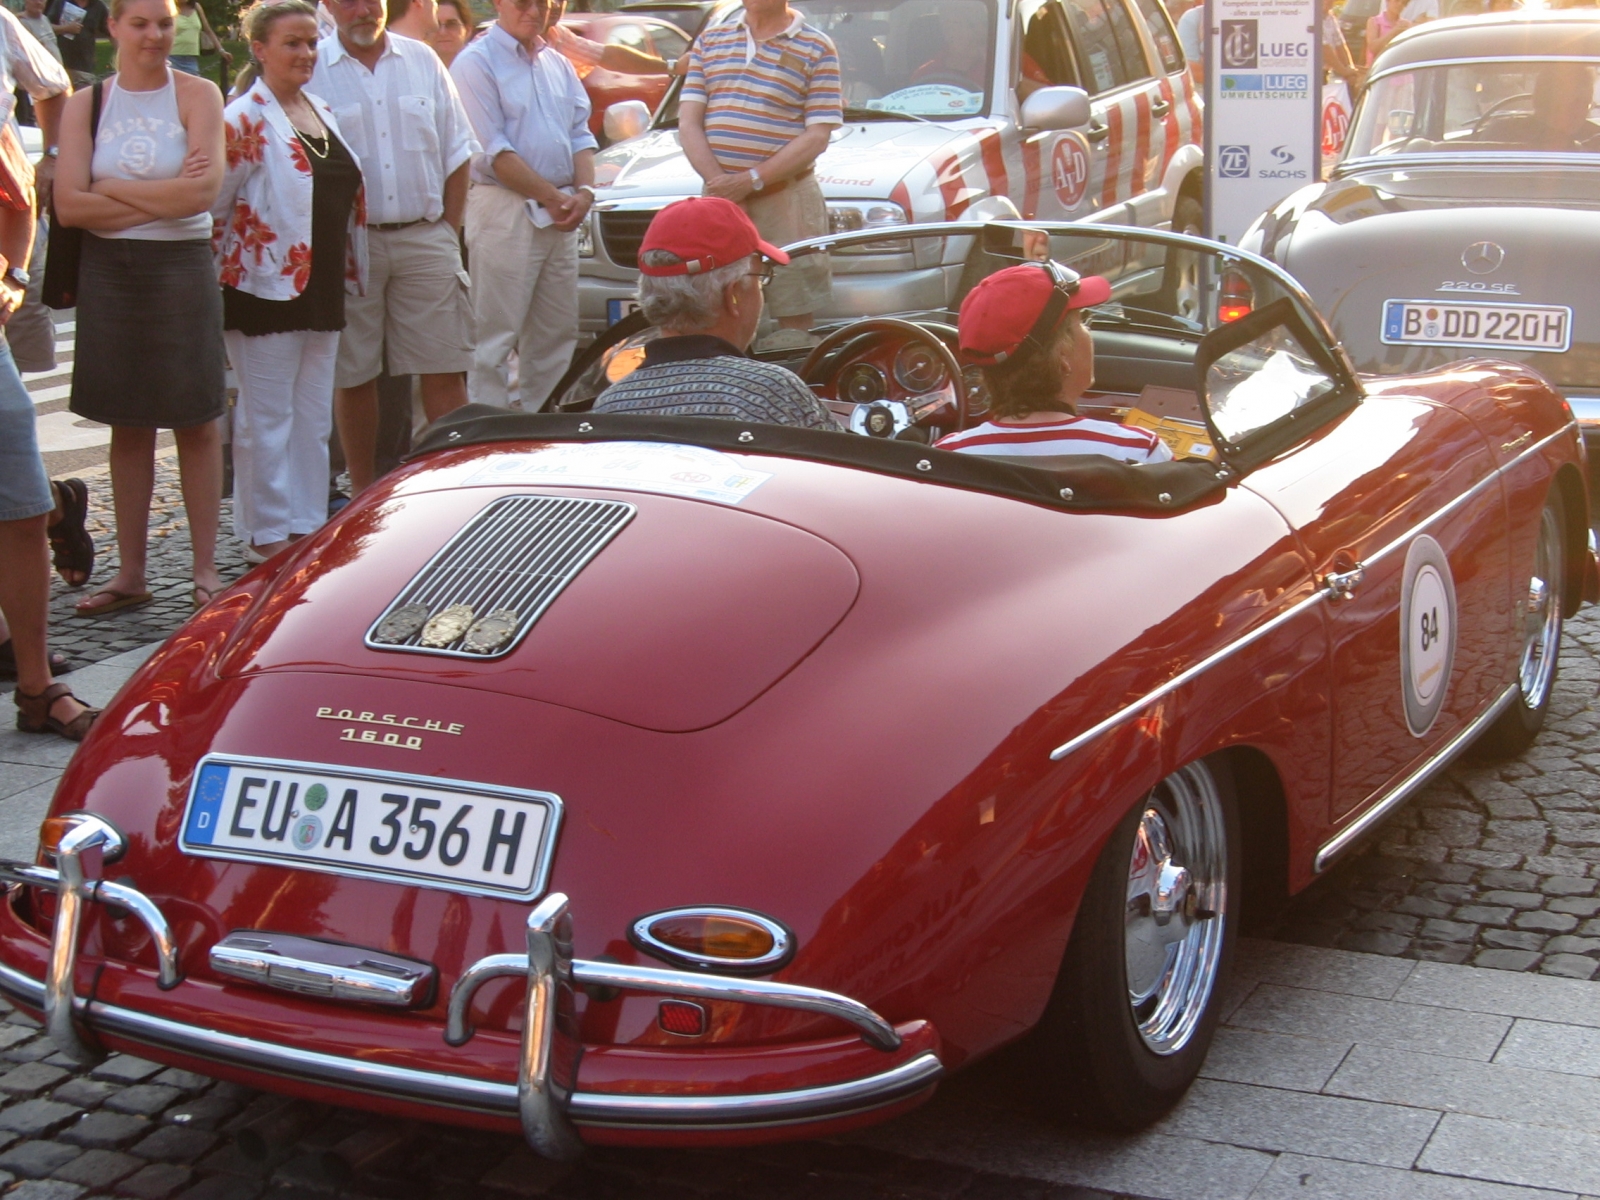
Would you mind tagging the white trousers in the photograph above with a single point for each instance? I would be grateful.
(524, 298)
(280, 433)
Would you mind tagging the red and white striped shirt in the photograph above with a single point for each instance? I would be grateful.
(1070, 435)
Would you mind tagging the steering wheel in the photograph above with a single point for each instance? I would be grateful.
(1494, 108)
(822, 364)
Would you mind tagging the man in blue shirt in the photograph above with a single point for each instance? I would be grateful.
(530, 190)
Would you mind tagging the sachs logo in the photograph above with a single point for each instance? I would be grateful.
(1069, 170)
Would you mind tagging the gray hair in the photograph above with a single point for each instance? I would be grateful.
(691, 303)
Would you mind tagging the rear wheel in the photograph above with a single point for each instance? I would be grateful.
(1180, 282)
(1135, 1005)
(1540, 611)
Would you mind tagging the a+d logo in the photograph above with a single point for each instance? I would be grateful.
(1283, 154)
(1233, 162)
(1239, 47)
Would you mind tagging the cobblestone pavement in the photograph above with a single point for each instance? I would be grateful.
(1494, 864)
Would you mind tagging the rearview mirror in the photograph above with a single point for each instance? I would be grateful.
(626, 119)
(1056, 108)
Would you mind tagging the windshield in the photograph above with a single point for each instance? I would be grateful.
(1476, 107)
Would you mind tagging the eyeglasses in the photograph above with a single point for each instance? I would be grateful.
(1065, 279)
(763, 272)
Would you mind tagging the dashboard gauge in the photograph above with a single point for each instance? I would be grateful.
(862, 384)
(918, 368)
(977, 398)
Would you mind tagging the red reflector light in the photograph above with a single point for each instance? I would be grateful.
(682, 1017)
(1232, 312)
(1237, 298)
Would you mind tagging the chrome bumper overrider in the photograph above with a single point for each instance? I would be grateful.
(544, 1098)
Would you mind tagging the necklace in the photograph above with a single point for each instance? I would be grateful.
(311, 145)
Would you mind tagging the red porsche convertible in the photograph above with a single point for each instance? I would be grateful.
(644, 781)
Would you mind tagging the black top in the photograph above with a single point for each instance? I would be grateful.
(77, 49)
(320, 308)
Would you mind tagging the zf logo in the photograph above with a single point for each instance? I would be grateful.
(1233, 162)
(1239, 43)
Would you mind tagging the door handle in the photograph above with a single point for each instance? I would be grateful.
(1342, 585)
(1161, 108)
(1099, 133)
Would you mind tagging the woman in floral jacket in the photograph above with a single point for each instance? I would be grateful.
(290, 237)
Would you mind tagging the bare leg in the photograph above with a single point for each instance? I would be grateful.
(133, 478)
(25, 600)
(200, 472)
(356, 411)
(443, 393)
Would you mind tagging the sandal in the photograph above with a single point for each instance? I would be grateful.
(72, 549)
(33, 713)
(59, 665)
(119, 600)
(202, 596)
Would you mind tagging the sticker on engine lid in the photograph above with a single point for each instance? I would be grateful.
(672, 470)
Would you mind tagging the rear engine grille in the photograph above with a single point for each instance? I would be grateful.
(478, 597)
(622, 232)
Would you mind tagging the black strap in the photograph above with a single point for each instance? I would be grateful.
(94, 114)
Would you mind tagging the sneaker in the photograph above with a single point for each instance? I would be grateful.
(782, 340)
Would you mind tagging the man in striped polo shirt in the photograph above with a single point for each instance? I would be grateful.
(759, 101)
(1022, 326)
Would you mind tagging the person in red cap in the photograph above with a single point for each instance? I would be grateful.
(1022, 326)
(702, 266)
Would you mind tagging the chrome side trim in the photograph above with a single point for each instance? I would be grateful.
(1331, 589)
(1408, 787)
(749, 1110)
(458, 1021)
(326, 970)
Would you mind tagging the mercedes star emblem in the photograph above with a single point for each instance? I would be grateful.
(1482, 257)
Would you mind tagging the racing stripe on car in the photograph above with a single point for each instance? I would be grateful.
(994, 162)
(901, 195)
(1114, 123)
(1171, 133)
(1033, 177)
(1138, 173)
(1193, 105)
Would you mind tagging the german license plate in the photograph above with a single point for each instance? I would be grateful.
(617, 309)
(409, 829)
(1541, 327)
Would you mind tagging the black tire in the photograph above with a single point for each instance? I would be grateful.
(1179, 289)
(1539, 610)
(1097, 1063)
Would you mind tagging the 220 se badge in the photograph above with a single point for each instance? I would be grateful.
(788, 770)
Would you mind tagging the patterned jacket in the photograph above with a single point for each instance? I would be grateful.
(261, 222)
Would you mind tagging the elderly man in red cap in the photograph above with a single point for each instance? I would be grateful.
(701, 270)
(1023, 326)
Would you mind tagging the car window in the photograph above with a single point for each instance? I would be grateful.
(1481, 107)
(928, 58)
(1046, 48)
(628, 35)
(1099, 54)
(668, 42)
(1164, 35)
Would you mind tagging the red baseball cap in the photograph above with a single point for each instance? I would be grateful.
(707, 232)
(1021, 303)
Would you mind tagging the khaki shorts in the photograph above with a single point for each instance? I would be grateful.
(794, 214)
(418, 302)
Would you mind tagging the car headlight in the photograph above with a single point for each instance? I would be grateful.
(586, 237)
(852, 216)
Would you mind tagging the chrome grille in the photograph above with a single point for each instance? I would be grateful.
(517, 555)
(622, 231)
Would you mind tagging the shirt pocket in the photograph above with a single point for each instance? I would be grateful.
(352, 124)
(418, 133)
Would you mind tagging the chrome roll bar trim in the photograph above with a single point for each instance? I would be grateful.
(745, 1111)
(874, 1030)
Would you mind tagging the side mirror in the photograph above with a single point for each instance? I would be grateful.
(626, 119)
(1056, 108)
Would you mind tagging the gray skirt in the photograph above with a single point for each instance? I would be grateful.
(149, 342)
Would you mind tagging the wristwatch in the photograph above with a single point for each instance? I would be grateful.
(756, 182)
(584, 187)
(48, 152)
(19, 277)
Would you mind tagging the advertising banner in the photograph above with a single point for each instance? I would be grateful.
(1336, 109)
(1264, 132)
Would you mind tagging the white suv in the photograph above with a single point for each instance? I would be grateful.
(1080, 110)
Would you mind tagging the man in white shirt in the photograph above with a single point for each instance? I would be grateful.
(400, 114)
(531, 188)
(35, 22)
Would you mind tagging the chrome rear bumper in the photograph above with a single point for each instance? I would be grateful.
(544, 1099)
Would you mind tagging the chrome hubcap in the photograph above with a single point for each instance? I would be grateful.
(1541, 620)
(1174, 922)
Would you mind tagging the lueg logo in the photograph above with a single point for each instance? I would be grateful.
(1239, 43)
(1233, 162)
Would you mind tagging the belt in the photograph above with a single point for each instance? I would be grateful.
(772, 189)
(391, 226)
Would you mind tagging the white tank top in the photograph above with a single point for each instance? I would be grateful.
(142, 137)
